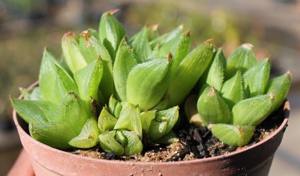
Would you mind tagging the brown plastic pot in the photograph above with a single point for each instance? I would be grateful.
(253, 160)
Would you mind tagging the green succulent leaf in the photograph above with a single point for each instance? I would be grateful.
(192, 115)
(158, 130)
(188, 73)
(34, 111)
(88, 80)
(216, 71)
(241, 59)
(252, 111)
(134, 144)
(141, 46)
(48, 122)
(121, 142)
(129, 119)
(182, 48)
(106, 120)
(86, 44)
(114, 106)
(124, 62)
(88, 136)
(146, 83)
(170, 115)
(109, 144)
(71, 52)
(233, 89)
(232, 135)
(121, 138)
(279, 88)
(107, 83)
(111, 32)
(212, 107)
(167, 39)
(163, 123)
(257, 78)
(54, 81)
(171, 43)
(146, 119)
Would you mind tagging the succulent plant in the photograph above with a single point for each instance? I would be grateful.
(114, 91)
(238, 95)
(122, 93)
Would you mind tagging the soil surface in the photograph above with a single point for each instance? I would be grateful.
(193, 143)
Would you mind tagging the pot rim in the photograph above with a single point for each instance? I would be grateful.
(282, 127)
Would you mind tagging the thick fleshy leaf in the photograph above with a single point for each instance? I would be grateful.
(170, 43)
(141, 46)
(114, 106)
(54, 81)
(170, 115)
(109, 144)
(212, 107)
(118, 109)
(134, 144)
(157, 129)
(88, 136)
(232, 135)
(48, 122)
(163, 123)
(71, 52)
(75, 112)
(107, 83)
(192, 115)
(129, 119)
(86, 46)
(124, 62)
(279, 88)
(35, 111)
(88, 80)
(106, 120)
(188, 73)
(257, 78)
(147, 83)
(233, 89)
(182, 49)
(146, 119)
(121, 138)
(252, 111)
(91, 48)
(241, 59)
(167, 39)
(216, 71)
(179, 53)
(111, 31)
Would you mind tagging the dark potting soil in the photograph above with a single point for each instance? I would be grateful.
(194, 143)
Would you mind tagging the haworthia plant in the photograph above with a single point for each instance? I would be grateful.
(233, 107)
(123, 92)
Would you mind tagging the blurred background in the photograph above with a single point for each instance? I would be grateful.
(27, 26)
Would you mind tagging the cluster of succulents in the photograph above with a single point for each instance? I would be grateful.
(237, 95)
(123, 93)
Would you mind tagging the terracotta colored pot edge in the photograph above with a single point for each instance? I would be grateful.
(281, 128)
